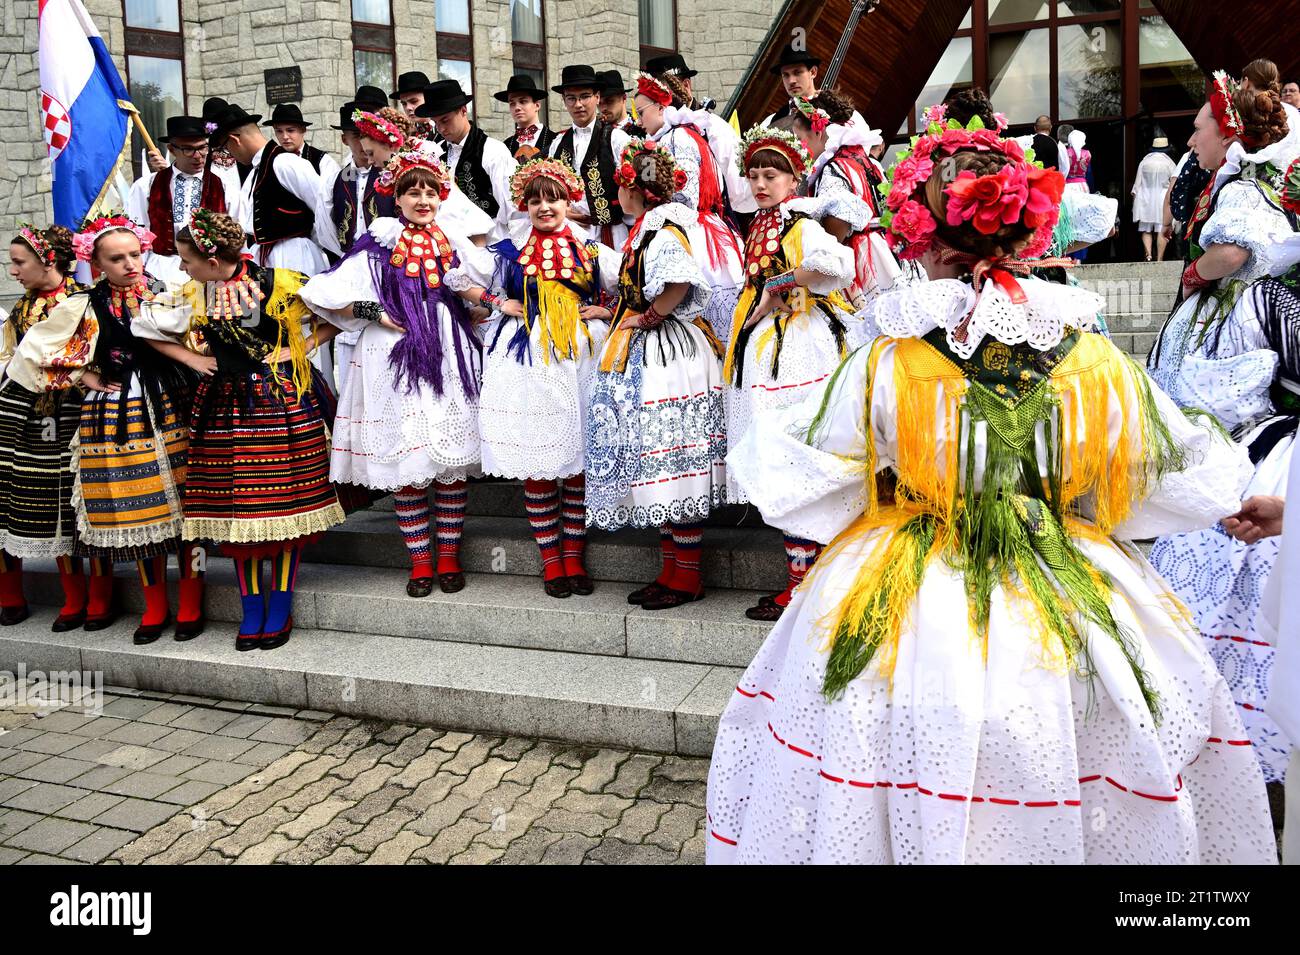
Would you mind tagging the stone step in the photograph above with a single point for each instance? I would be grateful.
(498, 609)
(747, 558)
(639, 704)
(1167, 271)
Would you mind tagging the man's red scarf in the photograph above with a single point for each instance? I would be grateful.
(211, 196)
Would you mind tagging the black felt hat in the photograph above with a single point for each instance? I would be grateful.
(673, 63)
(611, 82)
(287, 113)
(230, 119)
(441, 97)
(370, 96)
(345, 117)
(184, 127)
(578, 76)
(520, 83)
(213, 107)
(792, 57)
(413, 82)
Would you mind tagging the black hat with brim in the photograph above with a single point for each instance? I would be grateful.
(213, 107)
(287, 113)
(184, 127)
(345, 118)
(230, 120)
(792, 57)
(520, 83)
(673, 63)
(413, 82)
(444, 96)
(578, 77)
(370, 96)
(611, 82)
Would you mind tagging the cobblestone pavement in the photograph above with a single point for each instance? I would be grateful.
(167, 778)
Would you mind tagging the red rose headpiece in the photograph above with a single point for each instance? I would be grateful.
(648, 182)
(374, 126)
(654, 90)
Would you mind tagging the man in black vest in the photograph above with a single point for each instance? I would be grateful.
(481, 165)
(281, 205)
(531, 136)
(291, 133)
(592, 148)
(352, 201)
(1045, 150)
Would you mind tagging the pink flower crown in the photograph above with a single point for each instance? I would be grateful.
(83, 243)
(30, 236)
(625, 175)
(404, 161)
(374, 126)
(555, 169)
(1020, 191)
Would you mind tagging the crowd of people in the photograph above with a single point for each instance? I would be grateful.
(643, 317)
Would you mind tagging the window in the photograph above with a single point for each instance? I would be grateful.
(1170, 79)
(456, 45)
(155, 61)
(658, 27)
(528, 33)
(1090, 76)
(373, 60)
(953, 72)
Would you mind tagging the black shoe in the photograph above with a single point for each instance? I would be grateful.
(669, 598)
(68, 621)
(247, 641)
(419, 587)
(766, 612)
(189, 629)
(279, 638)
(452, 582)
(100, 623)
(12, 615)
(148, 633)
(648, 592)
(581, 584)
(559, 587)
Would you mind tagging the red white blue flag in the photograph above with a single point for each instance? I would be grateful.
(85, 111)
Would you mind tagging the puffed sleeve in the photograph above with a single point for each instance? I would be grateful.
(837, 199)
(349, 282)
(457, 214)
(608, 262)
(668, 262)
(810, 480)
(1242, 217)
(55, 352)
(165, 317)
(476, 269)
(830, 262)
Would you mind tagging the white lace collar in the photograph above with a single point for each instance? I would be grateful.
(675, 116)
(911, 311)
(839, 135)
(674, 212)
(1281, 153)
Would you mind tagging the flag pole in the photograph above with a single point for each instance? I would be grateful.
(144, 133)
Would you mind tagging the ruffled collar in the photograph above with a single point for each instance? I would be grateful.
(912, 311)
(675, 116)
(839, 135)
(654, 220)
(1279, 154)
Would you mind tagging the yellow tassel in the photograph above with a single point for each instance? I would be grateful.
(562, 328)
(743, 305)
(614, 356)
(287, 308)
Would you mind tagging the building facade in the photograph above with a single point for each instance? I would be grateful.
(173, 54)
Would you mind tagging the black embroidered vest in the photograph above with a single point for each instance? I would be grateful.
(344, 210)
(313, 156)
(472, 178)
(597, 172)
(277, 213)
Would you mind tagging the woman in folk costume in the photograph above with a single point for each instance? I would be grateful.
(129, 454)
(408, 414)
(978, 669)
(390, 131)
(36, 517)
(257, 481)
(843, 177)
(1245, 370)
(656, 443)
(546, 290)
(662, 108)
(792, 326)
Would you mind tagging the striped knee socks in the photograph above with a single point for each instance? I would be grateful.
(412, 505)
(575, 524)
(542, 502)
(449, 502)
(687, 540)
(799, 557)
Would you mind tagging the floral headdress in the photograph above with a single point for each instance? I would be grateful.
(818, 118)
(83, 243)
(1225, 111)
(1290, 192)
(625, 175)
(554, 169)
(31, 237)
(654, 90)
(405, 160)
(778, 140)
(1020, 191)
(201, 231)
(374, 126)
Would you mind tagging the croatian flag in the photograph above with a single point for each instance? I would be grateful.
(85, 111)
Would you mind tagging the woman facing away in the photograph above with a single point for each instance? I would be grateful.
(978, 669)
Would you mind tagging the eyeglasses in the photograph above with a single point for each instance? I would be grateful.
(572, 99)
(189, 150)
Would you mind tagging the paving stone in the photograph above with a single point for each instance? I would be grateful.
(138, 815)
(251, 831)
(10, 856)
(422, 768)
(453, 840)
(166, 713)
(66, 721)
(143, 785)
(667, 790)
(97, 728)
(398, 850)
(189, 792)
(321, 843)
(19, 760)
(14, 821)
(244, 726)
(478, 854)
(344, 855)
(133, 757)
(203, 721)
(676, 826)
(56, 769)
(599, 771)
(190, 845)
(99, 844)
(232, 706)
(640, 819)
(221, 748)
(268, 710)
(216, 771)
(266, 851)
(380, 829)
(329, 734)
(633, 775)
(529, 848)
(141, 734)
(683, 769)
(263, 754)
(92, 749)
(101, 776)
(13, 786)
(50, 836)
(606, 804)
(314, 817)
(513, 748)
(411, 746)
(176, 764)
(570, 849)
(177, 740)
(89, 806)
(316, 716)
(51, 744)
(130, 709)
(618, 852)
(46, 798)
(394, 734)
